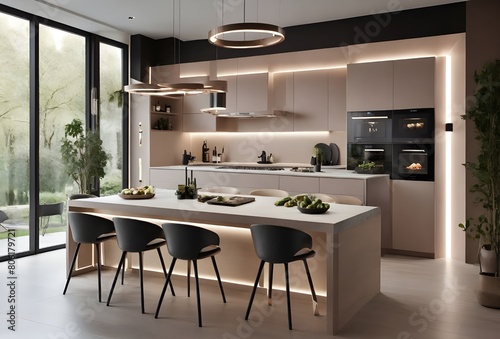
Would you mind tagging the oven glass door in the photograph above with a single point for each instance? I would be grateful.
(369, 127)
(380, 154)
(413, 162)
(413, 125)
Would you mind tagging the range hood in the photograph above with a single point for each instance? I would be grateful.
(218, 108)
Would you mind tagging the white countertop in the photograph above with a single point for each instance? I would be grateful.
(338, 171)
(165, 205)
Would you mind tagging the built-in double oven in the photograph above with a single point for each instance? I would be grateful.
(402, 141)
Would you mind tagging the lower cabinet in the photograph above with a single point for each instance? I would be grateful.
(341, 186)
(170, 178)
(413, 216)
(293, 185)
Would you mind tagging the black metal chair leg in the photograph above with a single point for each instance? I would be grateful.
(313, 293)
(170, 270)
(189, 278)
(198, 301)
(122, 259)
(71, 267)
(270, 287)
(254, 289)
(218, 278)
(288, 297)
(165, 270)
(123, 271)
(98, 250)
(141, 276)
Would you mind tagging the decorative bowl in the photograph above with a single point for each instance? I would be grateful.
(312, 210)
(136, 196)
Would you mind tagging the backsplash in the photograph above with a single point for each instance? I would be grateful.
(290, 147)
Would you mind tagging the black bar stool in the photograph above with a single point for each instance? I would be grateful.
(281, 245)
(89, 229)
(192, 243)
(137, 236)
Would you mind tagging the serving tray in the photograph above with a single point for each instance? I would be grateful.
(136, 196)
(231, 201)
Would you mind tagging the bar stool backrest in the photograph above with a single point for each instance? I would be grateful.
(87, 228)
(187, 241)
(277, 244)
(134, 235)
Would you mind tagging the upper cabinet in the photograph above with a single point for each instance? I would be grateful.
(370, 86)
(247, 93)
(414, 83)
(387, 85)
(315, 100)
(310, 100)
(337, 99)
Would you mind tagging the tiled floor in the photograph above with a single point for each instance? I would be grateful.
(420, 298)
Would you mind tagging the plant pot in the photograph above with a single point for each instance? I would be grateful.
(317, 168)
(487, 261)
(488, 291)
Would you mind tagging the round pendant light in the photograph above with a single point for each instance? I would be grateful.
(276, 35)
(219, 36)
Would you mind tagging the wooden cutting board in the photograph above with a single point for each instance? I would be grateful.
(231, 201)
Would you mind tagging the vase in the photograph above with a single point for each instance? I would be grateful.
(487, 261)
(488, 291)
(317, 168)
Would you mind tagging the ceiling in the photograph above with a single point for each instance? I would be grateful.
(192, 19)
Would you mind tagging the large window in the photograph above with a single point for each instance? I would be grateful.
(111, 116)
(49, 72)
(62, 98)
(14, 131)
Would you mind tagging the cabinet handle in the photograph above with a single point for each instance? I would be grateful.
(140, 169)
(140, 134)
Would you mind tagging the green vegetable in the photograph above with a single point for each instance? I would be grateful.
(367, 165)
(282, 202)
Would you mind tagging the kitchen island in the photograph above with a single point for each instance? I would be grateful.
(350, 257)
(371, 189)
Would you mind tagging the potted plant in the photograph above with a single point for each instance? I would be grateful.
(83, 155)
(485, 113)
(318, 155)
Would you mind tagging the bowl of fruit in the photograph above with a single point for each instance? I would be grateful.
(145, 192)
(306, 203)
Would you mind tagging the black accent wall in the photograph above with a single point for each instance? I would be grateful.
(396, 25)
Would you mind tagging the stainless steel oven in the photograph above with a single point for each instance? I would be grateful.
(380, 154)
(413, 162)
(413, 125)
(369, 127)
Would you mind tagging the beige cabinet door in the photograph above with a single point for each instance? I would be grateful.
(370, 86)
(350, 187)
(337, 114)
(414, 83)
(231, 92)
(199, 122)
(252, 92)
(282, 89)
(246, 93)
(310, 100)
(194, 103)
(413, 216)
